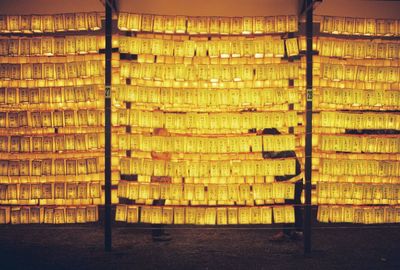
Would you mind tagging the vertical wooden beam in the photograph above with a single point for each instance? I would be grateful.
(308, 142)
(107, 130)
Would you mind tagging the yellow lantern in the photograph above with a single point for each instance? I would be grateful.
(214, 25)
(293, 24)
(292, 47)
(132, 214)
(258, 25)
(203, 25)
(349, 25)
(81, 21)
(47, 46)
(13, 24)
(47, 23)
(25, 23)
(25, 48)
(120, 213)
(327, 24)
(180, 24)
(59, 22)
(391, 27)
(225, 26)
(280, 24)
(94, 21)
(70, 22)
(247, 25)
(169, 24)
(370, 27)
(158, 24)
(359, 26)
(192, 28)
(134, 22)
(147, 22)
(338, 25)
(13, 47)
(179, 215)
(236, 25)
(269, 24)
(123, 21)
(4, 24)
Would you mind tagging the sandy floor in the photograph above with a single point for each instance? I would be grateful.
(52, 247)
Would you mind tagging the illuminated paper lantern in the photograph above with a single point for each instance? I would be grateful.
(281, 24)
(59, 46)
(120, 213)
(156, 215)
(225, 26)
(278, 48)
(47, 46)
(279, 214)
(292, 47)
(123, 21)
(236, 25)
(13, 47)
(47, 24)
(158, 24)
(192, 25)
(35, 46)
(247, 25)
(4, 24)
(258, 48)
(258, 25)
(338, 25)
(135, 22)
(25, 24)
(147, 23)
(179, 215)
(269, 24)
(59, 215)
(13, 24)
(15, 215)
(81, 22)
(214, 25)
(70, 21)
(80, 45)
(203, 25)
(92, 214)
(391, 27)
(132, 214)
(59, 22)
(359, 26)
(292, 23)
(244, 215)
(94, 21)
(92, 44)
(169, 24)
(370, 27)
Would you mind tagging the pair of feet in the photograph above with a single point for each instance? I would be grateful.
(282, 236)
(162, 237)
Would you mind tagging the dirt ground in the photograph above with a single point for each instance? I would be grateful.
(81, 247)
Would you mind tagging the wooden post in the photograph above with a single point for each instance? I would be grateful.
(107, 130)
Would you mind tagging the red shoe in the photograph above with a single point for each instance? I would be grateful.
(279, 237)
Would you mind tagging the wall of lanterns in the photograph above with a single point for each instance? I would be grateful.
(191, 98)
(357, 132)
(194, 102)
(51, 119)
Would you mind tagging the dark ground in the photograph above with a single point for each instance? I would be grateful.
(72, 247)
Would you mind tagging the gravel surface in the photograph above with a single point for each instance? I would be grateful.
(71, 247)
